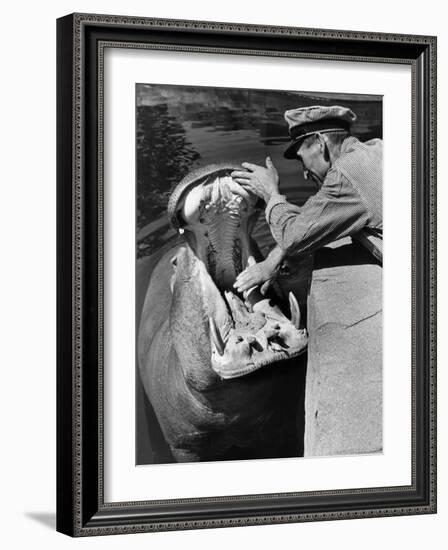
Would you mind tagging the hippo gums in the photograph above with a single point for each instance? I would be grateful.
(219, 369)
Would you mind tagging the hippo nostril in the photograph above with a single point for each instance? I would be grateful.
(278, 344)
(271, 333)
(254, 343)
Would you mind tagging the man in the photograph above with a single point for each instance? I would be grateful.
(343, 398)
(348, 174)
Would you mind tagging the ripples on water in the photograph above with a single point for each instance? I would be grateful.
(182, 127)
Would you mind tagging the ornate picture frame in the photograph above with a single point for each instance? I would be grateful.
(81, 506)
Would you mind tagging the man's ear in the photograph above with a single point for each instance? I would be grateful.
(321, 142)
(323, 146)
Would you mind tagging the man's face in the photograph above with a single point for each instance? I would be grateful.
(311, 154)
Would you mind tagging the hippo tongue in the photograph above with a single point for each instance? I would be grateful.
(218, 217)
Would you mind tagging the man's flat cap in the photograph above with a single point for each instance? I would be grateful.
(305, 121)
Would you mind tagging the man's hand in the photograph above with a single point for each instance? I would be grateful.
(262, 274)
(260, 180)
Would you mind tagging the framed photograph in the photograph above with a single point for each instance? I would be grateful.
(246, 274)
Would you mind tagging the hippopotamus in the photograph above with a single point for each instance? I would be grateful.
(221, 370)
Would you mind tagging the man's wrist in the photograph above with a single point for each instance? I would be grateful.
(275, 198)
(267, 195)
(276, 257)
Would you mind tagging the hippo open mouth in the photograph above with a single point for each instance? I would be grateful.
(247, 331)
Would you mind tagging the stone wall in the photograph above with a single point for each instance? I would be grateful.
(343, 402)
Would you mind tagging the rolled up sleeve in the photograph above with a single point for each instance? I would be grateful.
(277, 199)
(335, 211)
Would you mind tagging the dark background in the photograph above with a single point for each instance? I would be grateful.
(182, 127)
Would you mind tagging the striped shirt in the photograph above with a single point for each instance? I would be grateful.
(348, 203)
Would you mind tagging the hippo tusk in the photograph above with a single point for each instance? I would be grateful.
(295, 310)
(216, 336)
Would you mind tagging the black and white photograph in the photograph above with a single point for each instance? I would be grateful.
(258, 239)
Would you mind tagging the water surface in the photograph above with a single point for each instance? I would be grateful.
(182, 127)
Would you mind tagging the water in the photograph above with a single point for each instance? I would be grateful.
(181, 127)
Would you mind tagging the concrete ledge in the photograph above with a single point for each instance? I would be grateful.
(343, 402)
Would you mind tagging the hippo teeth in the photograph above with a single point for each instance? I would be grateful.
(237, 307)
(295, 310)
(216, 336)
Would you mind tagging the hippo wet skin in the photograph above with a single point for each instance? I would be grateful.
(223, 372)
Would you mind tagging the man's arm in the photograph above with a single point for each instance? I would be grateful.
(335, 211)
(276, 256)
(263, 273)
